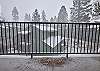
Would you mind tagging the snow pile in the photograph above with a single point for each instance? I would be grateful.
(53, 40)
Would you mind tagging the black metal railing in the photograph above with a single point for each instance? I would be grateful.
(46, 38)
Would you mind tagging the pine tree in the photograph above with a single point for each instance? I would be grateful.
(27, 17)
(2, 19)
(43, 16)
(36, 16)
(62, 15)
(96, 9)
(73, 13)
(55, 19)
(15, 14)
(81, 11)
(51, 19)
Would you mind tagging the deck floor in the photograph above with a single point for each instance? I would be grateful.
(72, 64)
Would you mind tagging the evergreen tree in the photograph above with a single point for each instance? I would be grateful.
(51, 19)
(43, 16)
(96, 9)
(2, 19)
(62, 15)
(15, 14)
(36, 16)
(81, 11)
(27, 17)
(72, 19)
(55, 19)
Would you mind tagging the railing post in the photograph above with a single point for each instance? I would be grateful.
(67, 55)
(31, 56)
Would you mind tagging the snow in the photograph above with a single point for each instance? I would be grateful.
(24, 32)
(14, 56)
(97, 21)
(6, 26)
(80, 55)
(45, 28)
(62, 55)
(54, 40)
(23, 43)
(3, 27)
(91, 26)
(9, 26)
(12, 50)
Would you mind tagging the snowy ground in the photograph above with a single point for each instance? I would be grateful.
(27, 64)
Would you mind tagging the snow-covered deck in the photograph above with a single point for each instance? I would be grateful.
(53, 40)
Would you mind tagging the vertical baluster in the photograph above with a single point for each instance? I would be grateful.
(88, 38)
(46, 37)
(13, 37)
(9, 37)
(64, 37)
(6, 38)
(50, 38)
(92, 38)
(98, 39)
(95, 38)
(81, 40)
(39, 37)
(61, 38)
(28, 39)
(43, 37)
(78, 44)
(57, 38)
(32, 38)
(17, 36)
(2, 38)
(75, 39)
(35, 38)
(67, 40)
(54, 39)
(24, 37)
(85, 37)
(71, 37)
(21, 37)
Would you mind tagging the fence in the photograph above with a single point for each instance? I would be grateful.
(47, 38)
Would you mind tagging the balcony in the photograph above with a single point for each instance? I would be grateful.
(45, 38)
(49, 40)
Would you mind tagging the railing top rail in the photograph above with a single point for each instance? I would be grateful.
(53, 23)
